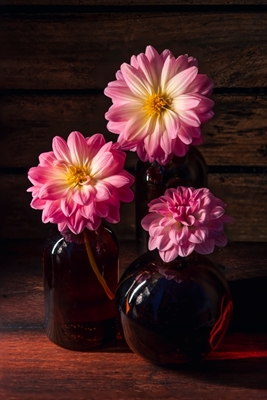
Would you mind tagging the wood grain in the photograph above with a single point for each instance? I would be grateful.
(246, 198)
(33, 368)
(131, 3)
(235, 136)
(245, 195)
(77, 51)
(33, 364)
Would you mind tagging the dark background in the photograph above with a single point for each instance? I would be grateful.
(57, 57)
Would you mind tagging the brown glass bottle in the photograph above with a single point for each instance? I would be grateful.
(152, 179)
(78, 313)
(173, 312)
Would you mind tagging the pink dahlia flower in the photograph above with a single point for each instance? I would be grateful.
(80, 182)
(159, 104)
(184, 220)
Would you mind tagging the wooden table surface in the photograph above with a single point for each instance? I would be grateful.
(33, 368)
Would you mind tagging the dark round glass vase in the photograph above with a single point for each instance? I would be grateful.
(152, 179)
(173, 312)
(78, 313)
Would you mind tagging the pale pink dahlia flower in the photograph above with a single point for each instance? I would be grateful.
(80, 182)
(159, 104)
(184, 220)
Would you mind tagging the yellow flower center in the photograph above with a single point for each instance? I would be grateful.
(157, 104)
(78, 175)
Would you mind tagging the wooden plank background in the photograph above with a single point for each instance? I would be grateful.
(57, 59)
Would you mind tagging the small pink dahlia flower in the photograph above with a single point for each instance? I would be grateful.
(80, 182)
(159, 104)
(184, 220)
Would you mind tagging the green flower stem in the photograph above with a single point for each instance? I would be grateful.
(94, 266)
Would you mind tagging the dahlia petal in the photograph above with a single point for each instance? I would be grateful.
(78, 148)
(102, 191)
(227, 218)
(101, 164)
(206, 116)
(42, 174)
(135, 81)
(192, 61)
(113, 215)
(88, 211)
(166, 221)
(202, 216)
(182, 63)
(164, 244)
(190, 117)
(117, 180)
(168, 71)
(205, 104)
(190, 220)
(166, 142)
(120, 94)
(184, 235)
(122, 112)
(196, 133)
(174, 234)
(141, 152)
(135, 130)
(76, 223)
(145, 66)
(84, 195)
(114, 199)
(198, 236)
(179, 148)
(116, 167)
(160, 208)
(216, 212)
(155, 230)
(47, 159)
(152, 142)
(172, 123)
(180, 236)
(185, 102)
(179, 83)
(95, 143)
(57, 218)
(93, 223)
(53, 190)
(166, 53)
(201, 84)
(185, 134)
(152, 243)
(115, 127)
(102, 209)
(125, 194)
(154, 58)
(184, 251)
(205, 248)
(134, 62)
(61, 149)
(68, 206)
(221, 241)
(148, 219)
(52, 211)
(215, 227)
(197, 141)
(37, 203)
(169, 255)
